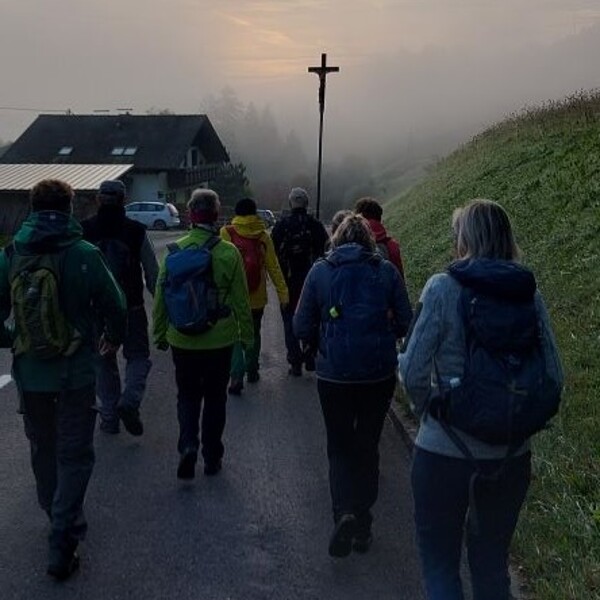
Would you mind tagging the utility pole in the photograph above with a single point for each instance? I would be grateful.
(322, 72)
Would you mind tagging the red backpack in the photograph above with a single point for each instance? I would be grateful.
(253, 254)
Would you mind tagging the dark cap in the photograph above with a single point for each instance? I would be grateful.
(112, 187)
(245, 207)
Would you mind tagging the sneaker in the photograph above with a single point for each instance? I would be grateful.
(309, 363)
(296, 370)
(111, 427)
(213, 468)
(62, 564)
(187, 465)
(253, 376)
(340, 543)
(131, 420)
(362, 542)
(235, 387)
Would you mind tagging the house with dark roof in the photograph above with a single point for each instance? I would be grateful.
(170, 154)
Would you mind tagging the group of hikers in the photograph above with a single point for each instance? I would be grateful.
(478, 358)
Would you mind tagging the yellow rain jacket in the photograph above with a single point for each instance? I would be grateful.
(251, 226)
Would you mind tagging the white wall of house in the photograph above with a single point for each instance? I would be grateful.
(147, 187)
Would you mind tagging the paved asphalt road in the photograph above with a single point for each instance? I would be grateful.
(258, 530)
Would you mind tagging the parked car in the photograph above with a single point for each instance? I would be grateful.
(155, 215)
(267, 216)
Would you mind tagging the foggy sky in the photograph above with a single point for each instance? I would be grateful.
(408, 68)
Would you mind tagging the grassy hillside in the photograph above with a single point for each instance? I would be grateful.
(544, 168)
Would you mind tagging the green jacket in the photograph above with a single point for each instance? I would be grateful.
(89, 294)
(230, 278)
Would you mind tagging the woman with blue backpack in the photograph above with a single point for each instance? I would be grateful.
(353, 308)
(482, 371)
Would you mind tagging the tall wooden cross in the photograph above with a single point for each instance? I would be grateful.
(322, 72)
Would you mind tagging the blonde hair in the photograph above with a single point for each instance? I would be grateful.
(354, 229)
(482, 229)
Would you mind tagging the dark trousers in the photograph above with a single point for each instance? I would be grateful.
(202, 377)
(136, 351)
(292, 344)
(60, 429)
(441, 495)
(248, 361)
(354, 414)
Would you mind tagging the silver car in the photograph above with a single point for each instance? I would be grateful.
(154, 215)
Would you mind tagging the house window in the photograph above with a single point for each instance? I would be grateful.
(65, 150)
(118, 151)
(130, 151)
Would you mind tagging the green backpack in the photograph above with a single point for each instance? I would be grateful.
(41, 327)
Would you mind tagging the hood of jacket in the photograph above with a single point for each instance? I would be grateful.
(250, 226)
(379, 231)
(503, 279)
(47, 231)
(349, 253)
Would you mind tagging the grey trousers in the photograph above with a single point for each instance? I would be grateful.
(60, 429)
(136, 351)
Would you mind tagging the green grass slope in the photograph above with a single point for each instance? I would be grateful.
(544, 168)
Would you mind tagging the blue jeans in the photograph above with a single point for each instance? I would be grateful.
(60, 429)
(354, 414)
(441, 496)
(136, 351)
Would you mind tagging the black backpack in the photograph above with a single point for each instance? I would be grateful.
(119, 258)
(297, 247)
(505, 395)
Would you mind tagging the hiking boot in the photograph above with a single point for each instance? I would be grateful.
(340, 543)
(63, 562)
(187, 465)
(362, 542)
(235, 387)
(212, 468)
(296, 370)
(110, 427)
(253, 376)
(309, 363)
(131, 420)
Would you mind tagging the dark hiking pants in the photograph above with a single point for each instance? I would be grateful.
(202, 377)
(60, 429)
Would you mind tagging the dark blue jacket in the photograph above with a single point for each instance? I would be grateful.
(354, 307)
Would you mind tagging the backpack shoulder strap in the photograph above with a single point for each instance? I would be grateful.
(212, 242)
(172, 248)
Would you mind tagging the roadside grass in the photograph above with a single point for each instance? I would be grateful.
(543, 166)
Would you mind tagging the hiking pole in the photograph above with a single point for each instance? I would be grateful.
(322, 72)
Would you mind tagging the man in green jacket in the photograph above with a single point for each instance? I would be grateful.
(56, 380)
(202, 360)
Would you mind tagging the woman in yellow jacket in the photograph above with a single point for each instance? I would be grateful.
(248, 233)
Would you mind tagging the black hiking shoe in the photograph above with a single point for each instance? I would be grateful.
(340, 543)
(309, 364)
(110, 427)
(253, 376)
(235, 387)
(212, 468)
(296, 370)
(187, 465)
(131, 420)
(62, 564)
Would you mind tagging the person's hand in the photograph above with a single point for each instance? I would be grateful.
(162, 345)
(106, 348)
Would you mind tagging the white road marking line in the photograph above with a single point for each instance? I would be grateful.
(5, 380)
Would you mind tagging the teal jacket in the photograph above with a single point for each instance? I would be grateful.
(230, 278)
(89, 294)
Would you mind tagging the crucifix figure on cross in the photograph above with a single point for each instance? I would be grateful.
(322, 72)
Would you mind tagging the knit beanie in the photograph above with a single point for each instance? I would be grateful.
(245, 207)
(298, 198)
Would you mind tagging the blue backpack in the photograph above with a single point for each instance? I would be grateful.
(357, 337)
(189, 290)
(505, 395)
